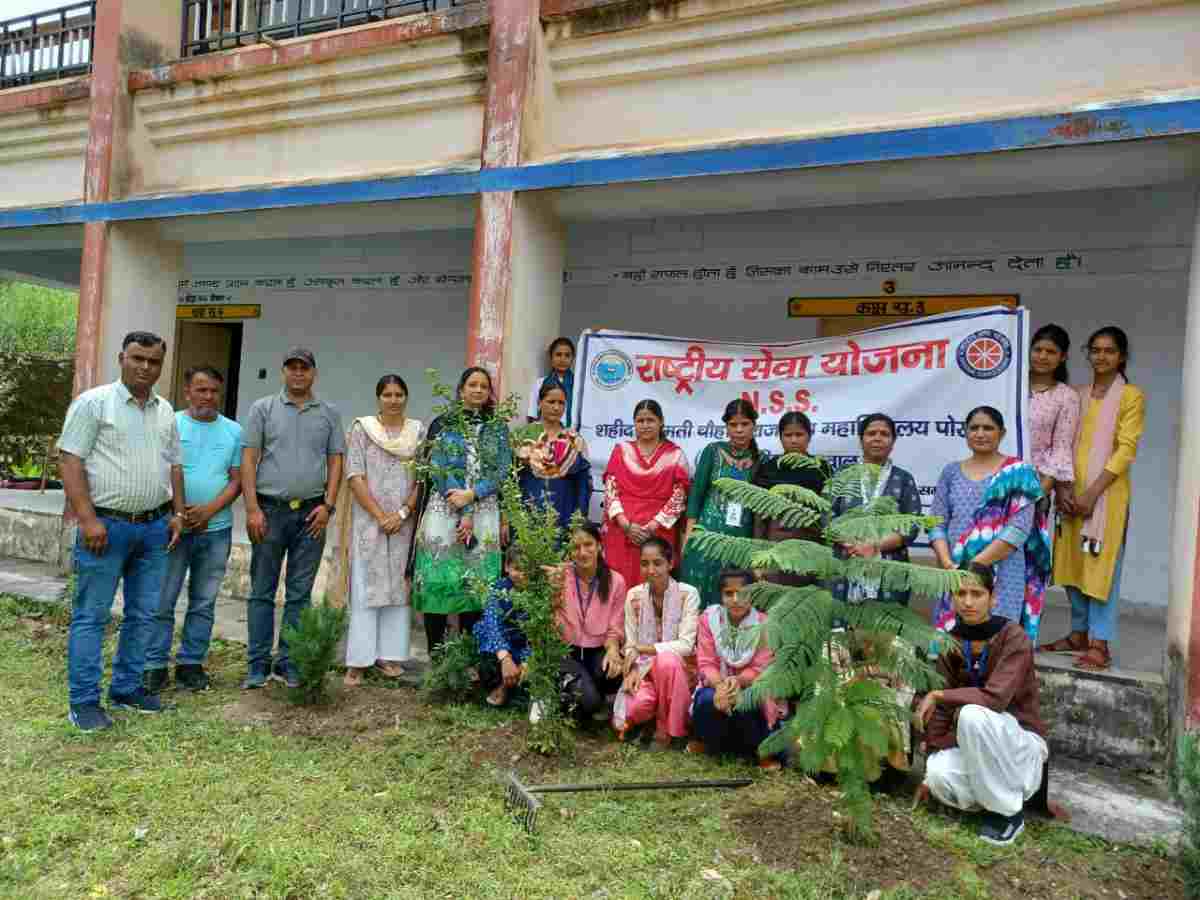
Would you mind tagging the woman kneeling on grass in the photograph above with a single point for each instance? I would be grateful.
(503, 646)
(660, 644)
(984, 729)
(731, 652)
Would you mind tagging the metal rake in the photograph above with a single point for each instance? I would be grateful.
(521, 799)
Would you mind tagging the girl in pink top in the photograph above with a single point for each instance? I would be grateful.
(731, 652)
(1053, 410)
(591, 615)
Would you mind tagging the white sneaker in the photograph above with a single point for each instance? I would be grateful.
(535, 712)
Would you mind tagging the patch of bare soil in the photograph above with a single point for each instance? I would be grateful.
(800, 827)
(368, 712)
(504, 747)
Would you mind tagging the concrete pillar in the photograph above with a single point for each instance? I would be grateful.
(514, 234)
(141, 280)
(1183, 610)
(130, 34)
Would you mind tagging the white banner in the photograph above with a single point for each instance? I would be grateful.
(926, 375)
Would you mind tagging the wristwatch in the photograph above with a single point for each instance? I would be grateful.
(404, 514)
(503, 655)
(329, 506)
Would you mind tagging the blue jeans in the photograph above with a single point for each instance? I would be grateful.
(137, 554)
(740, 733)
(1098, 619)
(206, 555)
(285, 537)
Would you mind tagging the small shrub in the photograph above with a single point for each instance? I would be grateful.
(312, 648)
(449, 674)
(1188, 782)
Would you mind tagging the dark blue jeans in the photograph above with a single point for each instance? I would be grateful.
(286, 537)
(740, 733)
(204, 556)
(138, 555)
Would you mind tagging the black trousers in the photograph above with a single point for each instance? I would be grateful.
(435, 627)
(584, 684)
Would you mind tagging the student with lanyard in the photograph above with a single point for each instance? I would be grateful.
(984, 729)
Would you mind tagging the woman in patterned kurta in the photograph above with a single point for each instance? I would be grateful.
(986, 503)
(645, 492)
(1053, 410)
(375, 548)
(710, 508)
(1091, 545)
(553, 460)
(877, 434)
(459, 533)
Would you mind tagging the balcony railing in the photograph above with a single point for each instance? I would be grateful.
(210, 25)
(47, 45)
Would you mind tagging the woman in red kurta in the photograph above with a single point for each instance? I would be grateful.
(645, 492)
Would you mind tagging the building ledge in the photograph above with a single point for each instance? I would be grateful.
(45, 95)
(310, 50)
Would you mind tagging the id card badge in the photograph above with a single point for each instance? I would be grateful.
(733, 515)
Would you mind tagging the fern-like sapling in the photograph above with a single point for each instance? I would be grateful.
(848, 669)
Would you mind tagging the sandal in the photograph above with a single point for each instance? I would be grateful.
(389, 669)
(498, 697)
(1075, 642)
(354, 678)
(1097, 658)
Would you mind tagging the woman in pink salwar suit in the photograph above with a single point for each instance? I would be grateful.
(731, 653)
(660, 643)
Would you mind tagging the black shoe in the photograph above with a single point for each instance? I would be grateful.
(191, 677)
(139, 701)
(1001, 830)
(255, 679)
(285, 674)
(89, 717)
(154, 680)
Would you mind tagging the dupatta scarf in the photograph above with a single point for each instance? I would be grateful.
(1014, 487)
(650, 631)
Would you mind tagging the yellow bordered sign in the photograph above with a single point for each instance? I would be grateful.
(900, 307)
(216, 312)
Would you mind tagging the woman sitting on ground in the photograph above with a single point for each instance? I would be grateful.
(731, 652)
(499, 636)
(660, 643)
(591, 618)
(984, 728)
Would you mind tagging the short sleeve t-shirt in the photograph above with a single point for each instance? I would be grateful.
(210, 450)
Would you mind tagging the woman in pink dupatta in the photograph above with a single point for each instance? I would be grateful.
(660, 644)
(645, 492)
(731, 652)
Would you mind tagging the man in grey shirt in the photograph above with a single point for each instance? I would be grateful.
(292, 450)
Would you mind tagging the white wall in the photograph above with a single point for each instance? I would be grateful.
(357, 336)
(1140, 240)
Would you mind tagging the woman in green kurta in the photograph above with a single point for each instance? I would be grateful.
(732, 458)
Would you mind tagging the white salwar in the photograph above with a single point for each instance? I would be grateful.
(997, 764)
(375, 632)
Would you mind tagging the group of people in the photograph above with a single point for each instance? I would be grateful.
(152, 489)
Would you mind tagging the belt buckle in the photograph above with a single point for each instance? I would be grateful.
(294, 504)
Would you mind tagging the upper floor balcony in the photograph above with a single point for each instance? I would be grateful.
(48, 45)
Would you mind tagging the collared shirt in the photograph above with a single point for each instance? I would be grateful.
(210, 450)
(294, 444)
(127, 449)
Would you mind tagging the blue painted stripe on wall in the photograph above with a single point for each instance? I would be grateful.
(1118, 123)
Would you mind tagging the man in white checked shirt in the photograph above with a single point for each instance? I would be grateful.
(123, 475)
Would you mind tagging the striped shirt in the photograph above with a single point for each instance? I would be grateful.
(127, 449)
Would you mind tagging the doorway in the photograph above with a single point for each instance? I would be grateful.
(216, 344)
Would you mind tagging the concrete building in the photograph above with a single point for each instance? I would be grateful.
(403, 188)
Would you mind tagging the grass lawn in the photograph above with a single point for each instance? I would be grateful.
(380, 794)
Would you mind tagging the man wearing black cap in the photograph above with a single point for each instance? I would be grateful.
(292, 449)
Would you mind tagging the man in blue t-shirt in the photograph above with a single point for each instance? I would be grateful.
(212, 449)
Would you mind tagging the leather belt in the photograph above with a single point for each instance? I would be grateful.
(150, 515)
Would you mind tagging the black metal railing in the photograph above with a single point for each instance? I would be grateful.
(210, 25)
(53, 44)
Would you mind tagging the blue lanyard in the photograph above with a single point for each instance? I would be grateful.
(975, 673)
(585, 605)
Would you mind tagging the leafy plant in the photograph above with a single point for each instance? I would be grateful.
(29, 469)
(848, 668)
(1187, 782)
(538, 539)
(312, 647)
(450, 671)
(36, 319)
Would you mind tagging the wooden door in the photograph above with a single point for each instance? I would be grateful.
(216, 344)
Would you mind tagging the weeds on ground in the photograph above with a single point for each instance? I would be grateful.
(1188, 782)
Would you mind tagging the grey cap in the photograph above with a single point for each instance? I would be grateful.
(303, 354)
